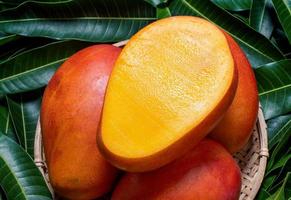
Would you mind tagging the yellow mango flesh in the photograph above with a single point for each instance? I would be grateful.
(169, 77)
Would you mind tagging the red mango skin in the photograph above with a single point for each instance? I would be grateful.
(207, 172)
(70, 115)
(235, 129)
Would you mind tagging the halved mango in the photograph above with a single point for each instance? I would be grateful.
(171, 84)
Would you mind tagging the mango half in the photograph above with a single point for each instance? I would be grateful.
(170, 86)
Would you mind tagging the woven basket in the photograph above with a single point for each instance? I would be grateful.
(252, 159)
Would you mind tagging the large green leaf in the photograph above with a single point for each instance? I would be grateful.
(281, 163)
(2, 194)
(33, 68)
(156, 2)
(39, 1)
(234, 5)
(163, 12)
(279, 151)
(14, 47)
(88, 20)
(277, 128)
(276, 171)
(5, 38)
(274, 84)
(280, 159)
(6, 125)
(280, 194)
(19, 177)
(281, 41)
(260, 18)
(258, 49)
(24, 110)
(279, 182)
(263, 194)
(283, 9)
(5, 6)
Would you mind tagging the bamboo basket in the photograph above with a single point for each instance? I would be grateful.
(252, 159)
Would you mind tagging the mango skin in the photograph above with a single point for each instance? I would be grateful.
(236, 127)
(70, 114)
(207, 172)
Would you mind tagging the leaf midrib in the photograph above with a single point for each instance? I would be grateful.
(262, 15)
(7, 123)
(32, 70)
(14, 124)
(190, 6)
(8, 36)
(80, 18)
(281, 129)
(23, 123)
(275, 89)
(22, 191)
(287, 7)
(277, 196)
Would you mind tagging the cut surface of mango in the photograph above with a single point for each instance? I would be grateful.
(167, 80)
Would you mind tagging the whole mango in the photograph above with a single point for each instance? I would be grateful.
(70, 114)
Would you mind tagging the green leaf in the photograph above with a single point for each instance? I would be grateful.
(280, 176)
(274, 179)
(5, 38)
(274, 84)
(283, 9)
(242, 18)
(156, 3)
(258, 49)
(5, 6)
(15, 47)
(280, 193)
(279, 164)
(19, 177)
(39, 1)
(163, 12)
(288, 55)
(24, 110)
(281, 41)
(88, 20)
(6, 126)
(279, 151)
(234, 5)
(33, 68)
(260, 18)
(262, 194)
(267, 182)
(277, 128)
(2, 194)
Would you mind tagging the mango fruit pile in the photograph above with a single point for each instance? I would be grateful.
(157, 119)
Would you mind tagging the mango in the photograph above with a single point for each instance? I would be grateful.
(236, 126)
(170, 86)
(70, 115)
(207, 172)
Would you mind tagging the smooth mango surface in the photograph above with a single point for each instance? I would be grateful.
(70, 114)
(207, 172)
(170, 85)
(236, 126)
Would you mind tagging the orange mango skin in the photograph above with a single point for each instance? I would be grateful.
(236, 126)
(70, 114)
(207, 172)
